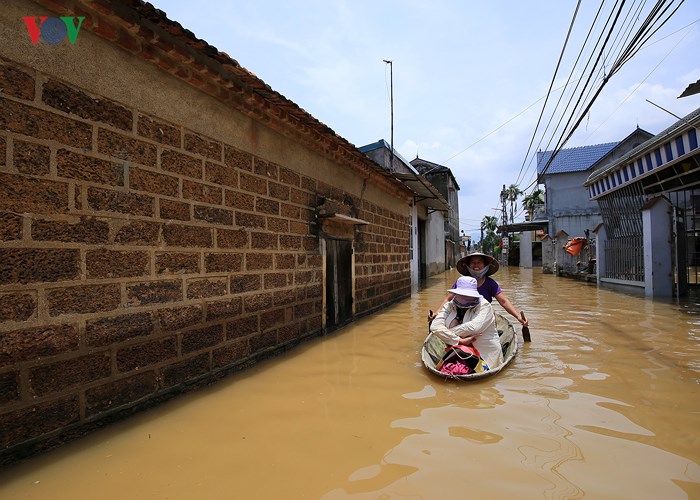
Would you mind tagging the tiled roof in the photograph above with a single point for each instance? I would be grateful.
(146, 32)
(573, 159)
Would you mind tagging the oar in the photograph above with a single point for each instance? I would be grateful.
(526, 329)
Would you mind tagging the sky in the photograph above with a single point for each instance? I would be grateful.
(469, 79)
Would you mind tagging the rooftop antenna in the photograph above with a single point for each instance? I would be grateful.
(391, 84)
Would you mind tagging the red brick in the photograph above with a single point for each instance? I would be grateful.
(263, 205)
(237, 238)
(285, 297)
(159, 131)
(202, 192)
(258, 302)
(263, 241)
(119, 393)
(250, 220)
(38, 420)
(30, 158)
(153, 292)
(16, 82)
(174, 210)
(302, 197)
(118, 201)
(33, 343)
(241, 283)
(24, 194)
(220, 174)
(9, 387)
(138, 232)
(257, 261)
(265, 168)
(230, 354)
(78, 166)
(253, 184)
(179, 318)
(309, 184)
(126, 148)
(27, 120)
(279, 191)
(262, 342)
(86, 230)
(83, 299)
(139, 356)
(286, 261)
(205, 147)
(182, 164)
(105, 263)
(277, 280)
(213, 215)
(288, 242)
(34, 265)
(186, 370)
(223, 262)
(288, 333)
(69, 373)
(242, 327)
(104, 332)
(237, 199)
(187, 236)
(202, 288)
(290, 211)
(73, 101)
(275, 318)
(298, 227)
(277, 225)
(177, 263)
(10, 226)
(239, 159)
(203, 338)
(3, 152)
(17, 306)
(153, 182)
(289, 178)
(224, 309)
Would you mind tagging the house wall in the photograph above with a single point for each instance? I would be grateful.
(153, 238)
(435, 243)
(568, 205)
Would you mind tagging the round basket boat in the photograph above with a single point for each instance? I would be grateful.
(434, 348)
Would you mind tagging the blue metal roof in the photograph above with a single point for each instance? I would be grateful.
(573, 159)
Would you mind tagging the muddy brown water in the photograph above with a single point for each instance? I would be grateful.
(603, 403)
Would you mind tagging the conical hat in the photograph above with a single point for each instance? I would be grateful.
(463, 263)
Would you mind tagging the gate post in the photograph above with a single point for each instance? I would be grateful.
(601, 239)
(658, 261)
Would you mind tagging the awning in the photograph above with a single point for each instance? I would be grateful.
(667, 161)
(343, 219)
(518, 227)
(424, 190)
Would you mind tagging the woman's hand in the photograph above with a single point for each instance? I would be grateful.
(469, 340)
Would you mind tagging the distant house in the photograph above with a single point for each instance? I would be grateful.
(428, 212)
(568, 206)
(441, 177)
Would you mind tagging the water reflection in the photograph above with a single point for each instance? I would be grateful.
(603, 403)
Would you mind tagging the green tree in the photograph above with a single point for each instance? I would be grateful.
(532, 201)
(512, 192)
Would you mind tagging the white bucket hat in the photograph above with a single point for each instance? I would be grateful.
(465, 286)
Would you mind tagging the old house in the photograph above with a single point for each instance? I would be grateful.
(648, 241)
(165, 218)
(569, 211)
(429, 210)
(442, 178)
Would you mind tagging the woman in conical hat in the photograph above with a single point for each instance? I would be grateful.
(481, 266)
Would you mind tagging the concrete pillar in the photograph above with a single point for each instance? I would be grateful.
(658, 248)
(526, 249)
(548, 255)
(601, 237)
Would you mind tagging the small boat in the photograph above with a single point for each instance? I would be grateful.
(434, 349)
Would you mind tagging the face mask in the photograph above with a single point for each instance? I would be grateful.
(478, 274)
(462, 306)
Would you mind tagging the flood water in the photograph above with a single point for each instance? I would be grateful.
(603, 403)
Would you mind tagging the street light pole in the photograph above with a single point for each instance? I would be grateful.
(391, 84)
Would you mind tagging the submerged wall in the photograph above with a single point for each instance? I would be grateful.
(155, 231)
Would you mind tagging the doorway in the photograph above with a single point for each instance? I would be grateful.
(338, 282)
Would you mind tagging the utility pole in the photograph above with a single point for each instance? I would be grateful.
(391, 84)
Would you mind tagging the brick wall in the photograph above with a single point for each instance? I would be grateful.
(138, 258)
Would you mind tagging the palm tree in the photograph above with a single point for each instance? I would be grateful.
(532, 201)
(512, 192)
(489, 224)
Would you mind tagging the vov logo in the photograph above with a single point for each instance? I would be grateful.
(53, 29)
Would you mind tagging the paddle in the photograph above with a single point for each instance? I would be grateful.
(526, 329)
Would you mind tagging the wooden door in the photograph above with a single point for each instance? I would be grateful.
(338, 282)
